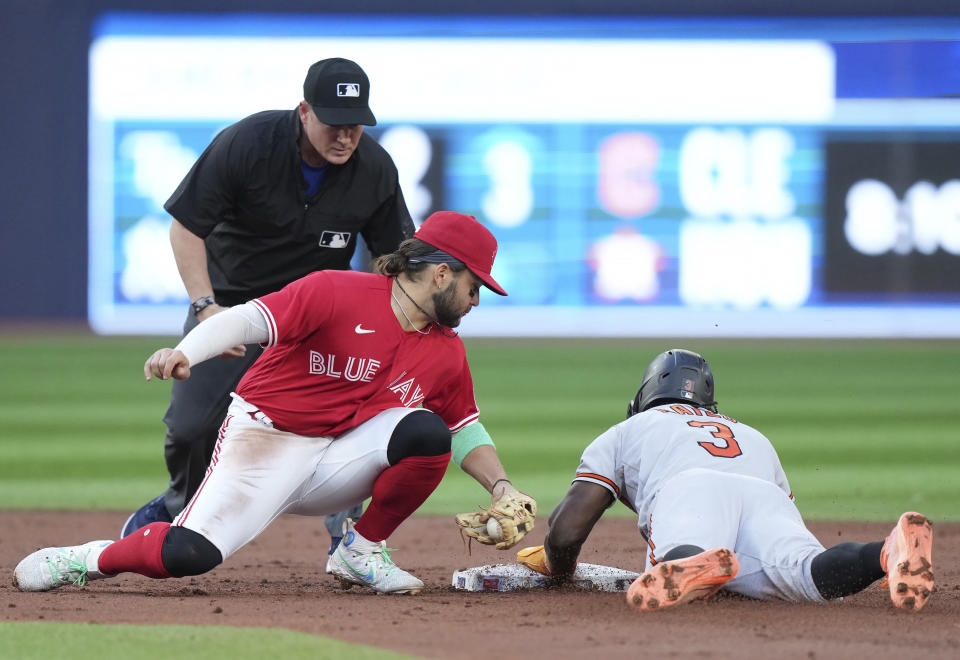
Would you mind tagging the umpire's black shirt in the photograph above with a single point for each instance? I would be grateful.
(246, 197)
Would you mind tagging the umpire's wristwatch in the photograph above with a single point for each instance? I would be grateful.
(201, 304)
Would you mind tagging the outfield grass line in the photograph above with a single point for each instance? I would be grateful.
(85, 641)
(861, 422)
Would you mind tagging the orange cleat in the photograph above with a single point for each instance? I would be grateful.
(682, 580)
(907, 557)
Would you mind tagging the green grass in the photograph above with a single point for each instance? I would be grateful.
(84, 641)
(865, 429)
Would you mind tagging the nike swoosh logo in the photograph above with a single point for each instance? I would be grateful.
(361, 330)
(367, 578)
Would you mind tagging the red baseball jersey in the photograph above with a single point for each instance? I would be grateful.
(337, 356)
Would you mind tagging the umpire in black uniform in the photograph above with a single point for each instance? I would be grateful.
(275, 196)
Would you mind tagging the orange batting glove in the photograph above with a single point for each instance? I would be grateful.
(535, 557)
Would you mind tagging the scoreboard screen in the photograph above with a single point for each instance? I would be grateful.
(896, 203)
(695, 185)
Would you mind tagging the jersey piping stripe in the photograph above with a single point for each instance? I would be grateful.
(602, 479)
(464, 422)
(270, 321)
(650, 544)
(180, 519)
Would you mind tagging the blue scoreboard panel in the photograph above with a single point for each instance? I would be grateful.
(638, 186)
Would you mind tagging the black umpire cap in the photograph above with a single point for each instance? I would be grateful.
(339, 92)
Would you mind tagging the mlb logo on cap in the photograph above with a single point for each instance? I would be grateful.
(334, 101)
(348, 89)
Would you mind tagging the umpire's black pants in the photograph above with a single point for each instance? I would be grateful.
(197, 408)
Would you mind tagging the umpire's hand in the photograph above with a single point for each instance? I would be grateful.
(165, 363)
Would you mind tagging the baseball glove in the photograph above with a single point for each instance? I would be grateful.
(515, 513)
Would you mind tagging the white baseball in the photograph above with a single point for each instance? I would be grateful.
(494, 530)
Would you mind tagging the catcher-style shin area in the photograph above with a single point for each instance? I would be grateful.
(511, 577)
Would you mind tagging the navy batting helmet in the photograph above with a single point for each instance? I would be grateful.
(675, 375)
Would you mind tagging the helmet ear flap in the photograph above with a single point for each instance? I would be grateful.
(633, 406)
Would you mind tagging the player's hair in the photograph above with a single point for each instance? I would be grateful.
(399, 262)
(678, 376)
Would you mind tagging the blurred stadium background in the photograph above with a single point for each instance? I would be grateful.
(777, 186)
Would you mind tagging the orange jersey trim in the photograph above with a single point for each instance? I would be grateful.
(598, 477)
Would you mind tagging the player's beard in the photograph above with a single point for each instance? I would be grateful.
(445, 307)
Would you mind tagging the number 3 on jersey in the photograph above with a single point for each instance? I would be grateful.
(730, 450)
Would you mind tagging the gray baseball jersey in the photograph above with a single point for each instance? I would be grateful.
(696, 477)
(637, 456)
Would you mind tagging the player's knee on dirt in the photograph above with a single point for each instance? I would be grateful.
(421, 433)
(185, 552)
(682, 552)
(846, 568)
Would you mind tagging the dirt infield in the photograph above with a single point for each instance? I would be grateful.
(278, 580)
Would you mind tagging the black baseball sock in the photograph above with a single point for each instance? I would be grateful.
(847, 568)
(682, 552)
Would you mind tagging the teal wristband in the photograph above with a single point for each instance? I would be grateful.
(467, 439)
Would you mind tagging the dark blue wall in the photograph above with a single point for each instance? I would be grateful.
(43, 78)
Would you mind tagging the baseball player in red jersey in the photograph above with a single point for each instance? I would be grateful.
(715, 508)
(361, 386)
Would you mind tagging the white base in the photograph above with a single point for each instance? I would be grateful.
(509, 577)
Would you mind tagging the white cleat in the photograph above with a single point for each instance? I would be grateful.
(359, 561)
(51, 568)
(335, 542)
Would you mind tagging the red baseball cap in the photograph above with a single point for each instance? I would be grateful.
(463, 237)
